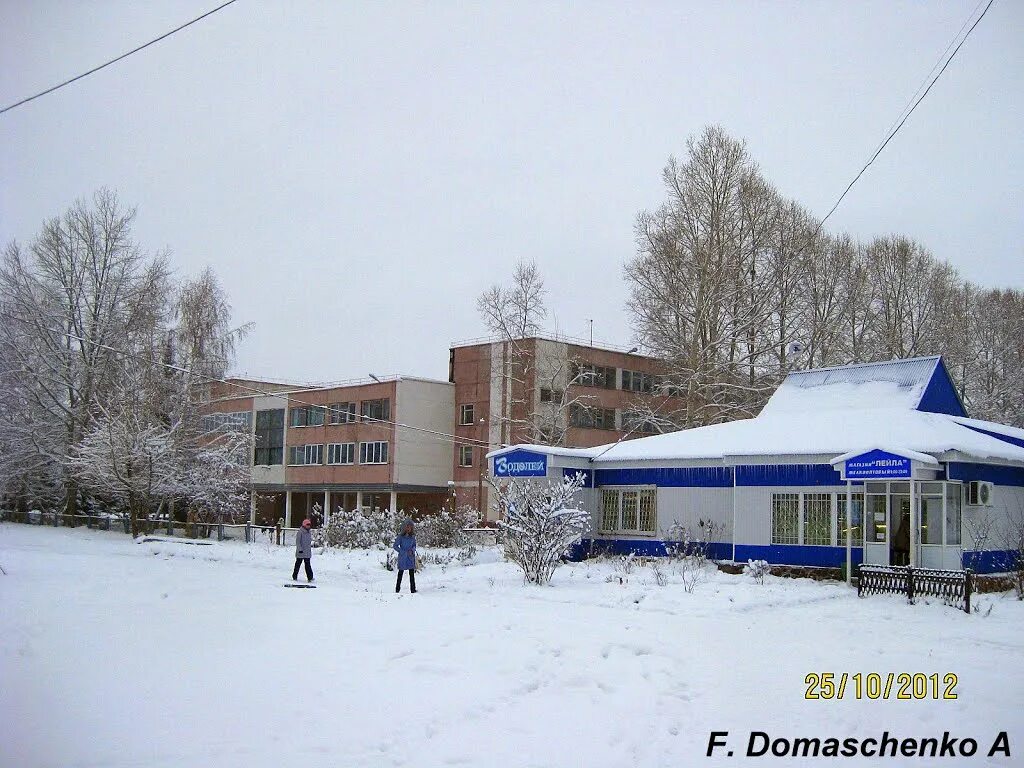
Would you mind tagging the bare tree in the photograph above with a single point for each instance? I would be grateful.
(81, 291)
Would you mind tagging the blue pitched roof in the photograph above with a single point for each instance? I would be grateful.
(921, 384)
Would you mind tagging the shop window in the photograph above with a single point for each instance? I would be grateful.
(857, 531)
(626, 510)
(953, 512)
(785, 518)
(818, 519)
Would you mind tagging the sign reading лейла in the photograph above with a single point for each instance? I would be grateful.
(521, 464)
(877, 465)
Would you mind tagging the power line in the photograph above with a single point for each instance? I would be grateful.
(115, 60)
(896, 130)
(201, 379)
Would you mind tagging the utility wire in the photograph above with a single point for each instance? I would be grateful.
(909, 112)
(114, 61)
(201, 379)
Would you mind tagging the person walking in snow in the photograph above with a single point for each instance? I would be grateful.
(303, 550)
(405, 546)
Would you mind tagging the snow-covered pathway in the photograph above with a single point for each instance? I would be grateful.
(166, 654)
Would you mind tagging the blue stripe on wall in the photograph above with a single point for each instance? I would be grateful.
(668, 477)
(787, 474)
(782, 554)
(716, 550)
(1013, 476)
(567, 472)
(991, 561)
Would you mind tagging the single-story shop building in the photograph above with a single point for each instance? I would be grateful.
(892, 442)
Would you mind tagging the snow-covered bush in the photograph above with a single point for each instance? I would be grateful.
(539, 523)
(757, 570)
(688, 554)
(357, 529)
(658, 571)
(447, 527)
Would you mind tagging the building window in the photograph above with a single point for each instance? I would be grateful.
(240, 421)
(342, 413)
(306, 416)
(555, 396)
(269, 448)
(629, 510)
(301, 455)
(373, 453)
(588, 375)
(375, 410)
(634, 381)
(341, 453)
(465, 455)
(591, 418)
(638, 422)
(466, 414)
(818, 519)
(857, 529)
(785, 518)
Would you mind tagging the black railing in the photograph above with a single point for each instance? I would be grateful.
(952, 587)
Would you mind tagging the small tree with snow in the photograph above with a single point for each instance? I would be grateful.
(539, 523)
(757, 570)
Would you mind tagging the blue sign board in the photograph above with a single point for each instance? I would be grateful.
(520, 463)
(877, 465)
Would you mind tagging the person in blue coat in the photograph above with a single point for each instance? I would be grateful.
(405, 546)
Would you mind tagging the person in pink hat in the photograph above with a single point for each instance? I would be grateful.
(303, 550)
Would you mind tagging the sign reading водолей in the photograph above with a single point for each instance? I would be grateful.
(877, 465)
(520, 463)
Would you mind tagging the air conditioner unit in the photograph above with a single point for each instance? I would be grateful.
(979, 494)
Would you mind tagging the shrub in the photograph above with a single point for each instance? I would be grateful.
(757, 569)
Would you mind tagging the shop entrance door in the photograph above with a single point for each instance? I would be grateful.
(899, 524)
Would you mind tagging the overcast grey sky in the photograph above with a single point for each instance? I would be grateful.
(357, 173)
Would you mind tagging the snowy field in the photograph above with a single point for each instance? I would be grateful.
(115, 653)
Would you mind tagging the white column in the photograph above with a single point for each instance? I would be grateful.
(913, 523)
(849, 528)
(252, 508)
(359, 500)
(394, 502)
(287, 509)
(326, 508)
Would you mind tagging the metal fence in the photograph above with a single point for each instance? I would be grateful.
(952, 587)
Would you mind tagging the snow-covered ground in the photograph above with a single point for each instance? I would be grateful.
(115, 653)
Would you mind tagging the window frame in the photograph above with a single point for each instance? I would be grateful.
(275, 433)
(577, 409)
(312, 455)
(339, 448)
(295, 422)
(467, 408)
(342, 413)
(464, 451)
(643, 501)
(364, 446)
(385, 409)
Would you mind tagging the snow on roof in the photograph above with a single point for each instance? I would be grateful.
(550, 450)
(895, 384)
(829, 432)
